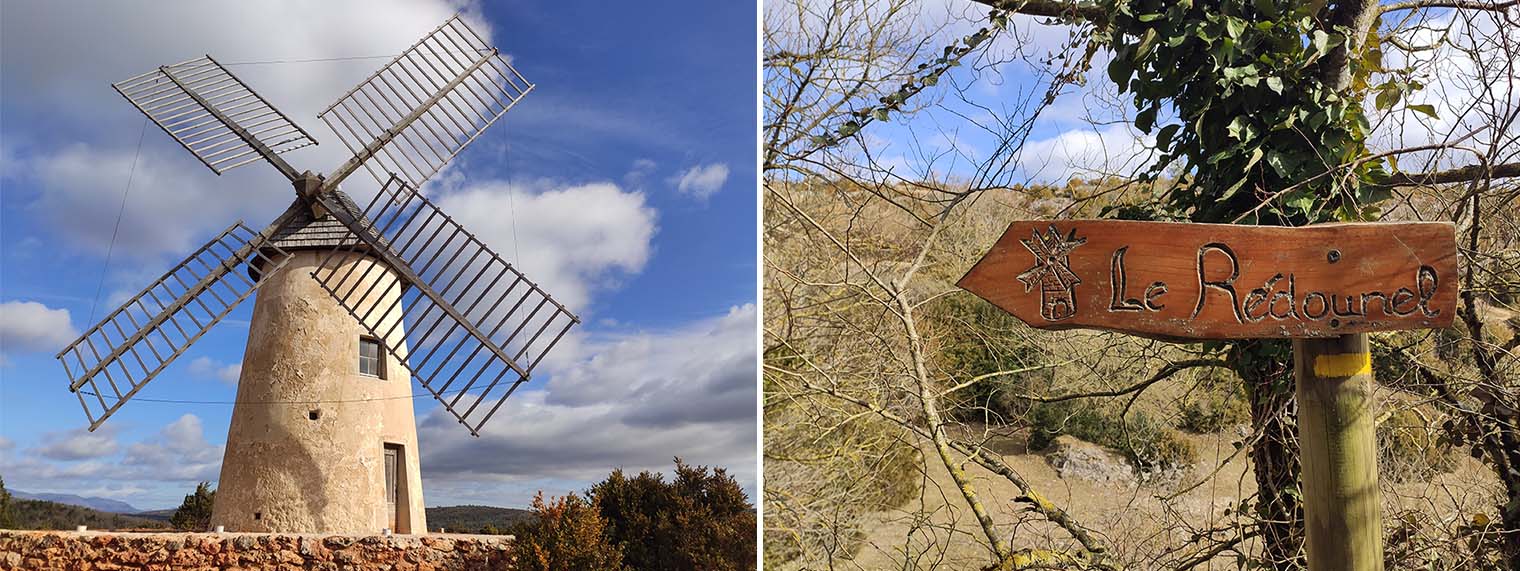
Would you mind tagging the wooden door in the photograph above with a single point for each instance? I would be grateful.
(391, 464)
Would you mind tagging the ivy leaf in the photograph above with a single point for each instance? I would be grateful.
(1426, 108)
(1149, 17)
(1235, 26)
(1256, 155)
(1388, 96)
(1146, 119)
(1240, 73)
(1147, 42)
(1321, 42)
(1275, 84)
(1286, 123)
(1280, 163)
(1318, 119)
(1238, 127)
(1120, 70)
(1234, 187)
(1164, 137)
(880, 114)
(1302, 201)
(1267, 8)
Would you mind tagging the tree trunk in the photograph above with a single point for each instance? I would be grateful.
(1266, 368)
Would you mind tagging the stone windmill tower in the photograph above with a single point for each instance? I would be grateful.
(352, 302)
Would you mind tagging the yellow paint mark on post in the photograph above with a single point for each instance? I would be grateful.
(1343, 365)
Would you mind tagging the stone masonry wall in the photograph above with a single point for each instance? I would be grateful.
(106, 551)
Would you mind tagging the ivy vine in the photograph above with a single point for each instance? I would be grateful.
(1233, 90)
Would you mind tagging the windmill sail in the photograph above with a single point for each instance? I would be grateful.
(416, 113)
(114, 359)
(475, 326)
(214, 115)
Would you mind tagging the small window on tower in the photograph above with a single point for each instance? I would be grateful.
(371, 358)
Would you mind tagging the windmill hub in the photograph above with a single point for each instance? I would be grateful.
(308, 186)
(354, 302)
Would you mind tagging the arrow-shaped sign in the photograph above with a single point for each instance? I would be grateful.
(1219, 281)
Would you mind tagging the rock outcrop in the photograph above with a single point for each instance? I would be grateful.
(1074, 458)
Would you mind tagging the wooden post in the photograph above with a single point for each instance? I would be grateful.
(1337, 436)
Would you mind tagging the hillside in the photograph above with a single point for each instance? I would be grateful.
(43, 514)
(156, 515)
(94, 503)
(473, 518)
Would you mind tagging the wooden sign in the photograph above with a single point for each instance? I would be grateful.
(1220, 281)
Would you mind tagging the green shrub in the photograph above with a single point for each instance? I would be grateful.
(7, 521)
(194, 514)
(1410, 449)
(976, 338)
(700, 520)
(1077, 418)
(567, 534)
(1214, 408)
(1164, 449)
(1146, 442)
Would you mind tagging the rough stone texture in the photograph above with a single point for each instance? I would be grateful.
(1074, 458)
(285, 472)
(109, 551)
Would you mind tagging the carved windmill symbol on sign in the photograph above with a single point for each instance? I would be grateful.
(1052, 272)
(352, 304)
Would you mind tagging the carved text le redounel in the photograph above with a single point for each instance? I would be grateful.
(1278, 298)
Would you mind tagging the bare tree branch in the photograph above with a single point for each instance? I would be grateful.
(1457, 175)
(1457, 4)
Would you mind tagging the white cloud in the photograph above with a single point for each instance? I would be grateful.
(569, 239)
(1083, 153)
(77, 445)
(169, 208)
(32, 326)
(95, 463)
(629, 400)
(702, 181)
(208, 368)
(178, 452)
(6, 444)
(151, 473)
(637, 173)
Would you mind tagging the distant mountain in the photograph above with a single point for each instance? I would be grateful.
(94, 503)
(43, 514)
(470, 519)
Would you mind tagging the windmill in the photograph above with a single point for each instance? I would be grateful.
(352, 303)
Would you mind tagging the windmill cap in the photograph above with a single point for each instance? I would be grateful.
(304, 232)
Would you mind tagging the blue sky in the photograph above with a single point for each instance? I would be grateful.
(626, 177)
